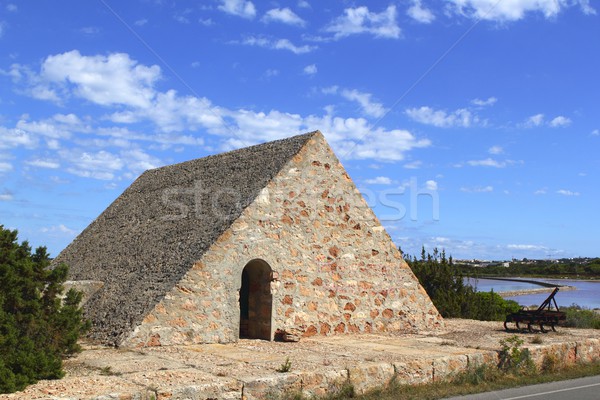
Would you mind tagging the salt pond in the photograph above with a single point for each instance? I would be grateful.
(587, 293)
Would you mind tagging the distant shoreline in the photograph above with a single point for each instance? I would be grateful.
(546, 287)
(523, 292)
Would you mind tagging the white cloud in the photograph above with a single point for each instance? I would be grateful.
(567, 192)
(413, 165)
(59, 229)
(540, 191)
(5, 167)
(330, 89)
(90, 30)
(586, 8)
(182, 17)
(419, 13)
(139, 161)
(514, 10)
(283, 15)
(6, 196)
(310, 69)
(526, 247)
(256, 127)
(380, 180)
(164, 139)
(99, 165)
(539, 120)
(11, 7)
(535, 120)
(240, 8)
(45, 128)
(489, 162)
(53, 130)
(105, 80)
(271, 73)
(43, 163)
(477, 189)
(141, 22)
(285, 44)
(10, 138)
(380, 144)
(370, 108)
(360, 20)
(560, 121)
(442, 119)
(2, 28)
(596, 132)
(352, 138)
(431, 185)
(279, 44)
(483, 103)
(496, 150)
(173, 113)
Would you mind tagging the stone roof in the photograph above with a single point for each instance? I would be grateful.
(151, 235)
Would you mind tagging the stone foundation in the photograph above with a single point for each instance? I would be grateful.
(248, 369)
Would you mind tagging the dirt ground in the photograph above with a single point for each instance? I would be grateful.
(248, 368)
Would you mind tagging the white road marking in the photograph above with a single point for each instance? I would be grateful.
(553, 391)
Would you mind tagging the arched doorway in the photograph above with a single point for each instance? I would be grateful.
(256, 301)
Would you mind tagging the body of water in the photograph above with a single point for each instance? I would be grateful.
(587, 293)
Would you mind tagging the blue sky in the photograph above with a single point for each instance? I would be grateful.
(470, 125)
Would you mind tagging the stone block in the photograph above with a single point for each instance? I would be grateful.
(367, 376)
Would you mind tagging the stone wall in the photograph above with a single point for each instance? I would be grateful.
(334, 268)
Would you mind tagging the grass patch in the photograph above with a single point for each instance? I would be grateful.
(107, 371)
(285, 367)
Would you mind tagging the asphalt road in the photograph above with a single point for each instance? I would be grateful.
(575, 389)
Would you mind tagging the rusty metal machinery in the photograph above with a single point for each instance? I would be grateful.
(543, 316)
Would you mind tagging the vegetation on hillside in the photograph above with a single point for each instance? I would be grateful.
(37, 328)
(584, 268)
(444, 284)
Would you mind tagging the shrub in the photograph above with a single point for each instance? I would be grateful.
(444, 284)
(513, 358)
(490, 306)
(579, 317)
(37, 329)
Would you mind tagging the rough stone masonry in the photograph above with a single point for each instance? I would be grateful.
(250, 243)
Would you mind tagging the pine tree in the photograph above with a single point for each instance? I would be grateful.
(37, 328)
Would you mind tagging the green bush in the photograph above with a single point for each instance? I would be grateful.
(490, 306)
(444, 284)
(579, 317)
(513, 358)
(37, 328)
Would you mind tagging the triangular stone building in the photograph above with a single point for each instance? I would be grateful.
(269, 238)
